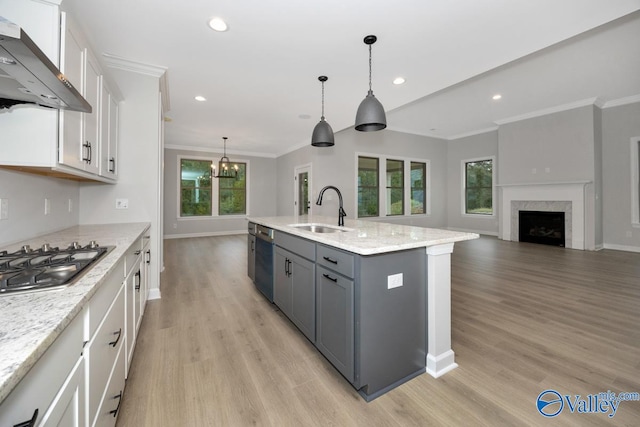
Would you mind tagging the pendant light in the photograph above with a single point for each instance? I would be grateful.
(224, 165)
(322, 134)
(370, 116)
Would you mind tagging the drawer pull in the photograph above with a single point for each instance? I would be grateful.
(119, 333)
(138, 280)
(331, 260)
(115, 411)
(333, 279)
(31, 422)
(149, 255)
(137, 252)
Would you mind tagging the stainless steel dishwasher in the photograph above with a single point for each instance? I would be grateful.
(264, 261)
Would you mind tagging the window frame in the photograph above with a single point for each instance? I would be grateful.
(463, 186)
(389, 188)
(215, 190)
(382, 186)
(635, 182)
(358, 186)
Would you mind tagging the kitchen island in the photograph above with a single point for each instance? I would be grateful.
(376, 255)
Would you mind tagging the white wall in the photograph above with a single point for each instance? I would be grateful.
(139, 171)
(261, 198)
(26, 193)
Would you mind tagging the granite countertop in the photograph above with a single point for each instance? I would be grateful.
(365, 237)
(30, 322)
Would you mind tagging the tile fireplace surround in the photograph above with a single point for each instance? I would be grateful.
(567, 197)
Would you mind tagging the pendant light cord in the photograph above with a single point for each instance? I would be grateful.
(322, 101)
(369, 68)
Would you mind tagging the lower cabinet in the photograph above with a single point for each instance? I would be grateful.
(80, 379)
(335, 320)
(52, 391)
(294, 290)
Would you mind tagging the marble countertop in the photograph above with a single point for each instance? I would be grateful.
(30, 322)
(365, 237)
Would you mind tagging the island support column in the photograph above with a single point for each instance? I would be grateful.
(440, 356)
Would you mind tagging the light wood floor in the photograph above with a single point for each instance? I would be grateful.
(525, 318)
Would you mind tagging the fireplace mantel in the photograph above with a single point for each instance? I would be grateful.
(571, 193)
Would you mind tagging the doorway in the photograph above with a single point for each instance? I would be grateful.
(302, 190)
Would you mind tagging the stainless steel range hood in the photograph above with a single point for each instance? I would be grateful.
(28, 76)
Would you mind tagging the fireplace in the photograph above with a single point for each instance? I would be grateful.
(542, 227)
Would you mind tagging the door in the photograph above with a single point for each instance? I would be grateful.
(302, 191)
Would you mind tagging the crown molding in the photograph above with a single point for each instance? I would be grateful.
(546, 111)
(622, 101)
(120, 63)
(216, 151)
(472, 133)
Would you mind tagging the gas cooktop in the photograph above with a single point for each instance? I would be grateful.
(47, 267)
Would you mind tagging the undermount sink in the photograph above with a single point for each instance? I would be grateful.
(320, 228)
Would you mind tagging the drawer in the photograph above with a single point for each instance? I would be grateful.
(103, 349)
(40, 386)
(132, 254)
(336, 260)
(114, 393)
(101, 301)
(296, 245)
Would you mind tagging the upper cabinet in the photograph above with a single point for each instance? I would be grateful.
(68, 144)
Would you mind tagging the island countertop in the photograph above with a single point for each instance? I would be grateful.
(365, 237)
(31, 321)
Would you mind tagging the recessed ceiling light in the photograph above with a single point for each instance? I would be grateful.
(304, 116)
(200, 98)
(496, 97)
(398, 80)
(218, 24)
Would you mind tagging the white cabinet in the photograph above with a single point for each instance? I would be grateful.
(79, 139)
(54, 387)
(65, 143)
(108, 132)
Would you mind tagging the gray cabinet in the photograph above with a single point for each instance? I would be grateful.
(334, 320)
(294, 288)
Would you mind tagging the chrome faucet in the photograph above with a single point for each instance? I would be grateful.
(341, 212)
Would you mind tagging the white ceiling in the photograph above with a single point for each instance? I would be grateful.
(260, 77)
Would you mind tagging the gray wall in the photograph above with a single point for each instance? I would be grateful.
(483, 145)
(261, 199)
(337, 166)
(558, 147)
(26, 194)
(619, 125)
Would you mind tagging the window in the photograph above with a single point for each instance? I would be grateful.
(204, 196)
(395, 187)
(368, 181)
(232, 194)
(418, 187)
(195, 187)
(478, 187)
(401, 188)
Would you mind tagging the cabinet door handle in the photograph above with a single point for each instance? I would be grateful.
(148, 256)
(139, 280)
(112, 164)
(115, 411)
(137, 252)
(290, 271)
(333, 279)
(252, 249)
(31, 422)
(86, 146)
(90, 153)
(331, 260)
(286, 267)
(119, 333)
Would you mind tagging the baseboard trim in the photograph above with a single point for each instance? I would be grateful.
(621, 247)
(154, 294)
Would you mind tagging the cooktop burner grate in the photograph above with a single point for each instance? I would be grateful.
(47, 267)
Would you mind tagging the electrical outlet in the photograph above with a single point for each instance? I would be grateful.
(47, 206)
(394, 281)
(4, 209)
(122, 203)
